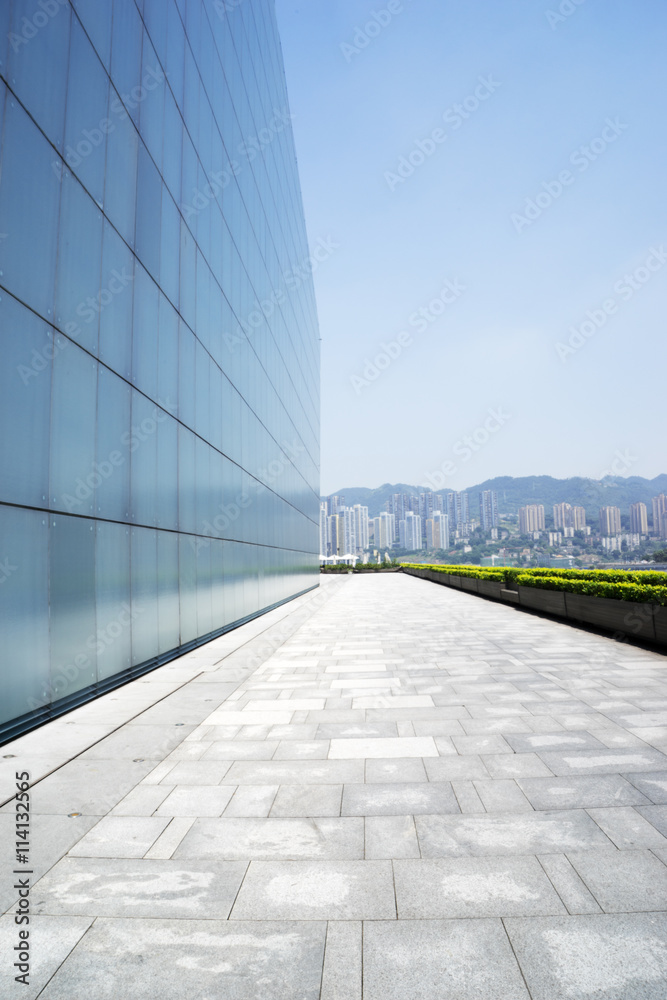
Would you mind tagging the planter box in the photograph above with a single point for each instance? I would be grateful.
(660, 624)
(468, 583)
(509, 595)
(550, 601)
(624, 617)
(489, 588)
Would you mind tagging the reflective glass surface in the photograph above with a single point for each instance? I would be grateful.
(159, 464)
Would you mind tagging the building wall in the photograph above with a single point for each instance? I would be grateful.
(159, 387)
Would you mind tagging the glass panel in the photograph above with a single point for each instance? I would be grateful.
(87, 122)
(112, 593)
(115, 343)
(72, 604)
(144, 594)
(121, 172)
(27, 346)
(187, 585)
(24, 612)
(167, 357)
(112, 466)
(96, 19)
(168, 597)
(145, 333)
(167, 472)
(149, 202)
(126, 52)
(29, 212)
(79, 295)
(73, 410)
(143, 459)
(37, 42)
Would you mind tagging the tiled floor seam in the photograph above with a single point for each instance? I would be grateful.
(516, 958)
(65, 958)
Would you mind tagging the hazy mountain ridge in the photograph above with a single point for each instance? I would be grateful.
(517, 492)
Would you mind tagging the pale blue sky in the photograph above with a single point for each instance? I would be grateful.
(554, 87)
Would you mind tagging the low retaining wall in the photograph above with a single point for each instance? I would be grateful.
(626, 619)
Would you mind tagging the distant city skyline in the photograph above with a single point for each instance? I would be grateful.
(489, 179)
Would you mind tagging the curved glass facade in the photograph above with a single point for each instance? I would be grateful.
(159, 386)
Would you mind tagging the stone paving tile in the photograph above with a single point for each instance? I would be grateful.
(623, 881)
(171, 959)
(581, 792)
(140, 888)
(120, 837)
(316, 890)
(398, 799)
(51, 941)
(627, 829)
(274, 838)
(434, 959)
(605, 761)
(308, 800)
(502, 834)
(479, 887)
(341, 975)
(517, 725)
(555, 954)
(416, 746)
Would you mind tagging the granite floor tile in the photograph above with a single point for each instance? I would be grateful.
(196, 800)
(308, 800)
(230, 750)
(398, 799)
(120, 837)
(623, 881)
(391, 837)
(252, 801)
(51, 941)
(627, 829)
(139, 888)
(404, 769)
(503, 834)
(440, 958)
(581, 792)
(555, 955)
(474, 887)
(406, 746)
(171, 959)
(316, 890)
(274, 839)
(604, 761)
(341, 975)
(296, 772)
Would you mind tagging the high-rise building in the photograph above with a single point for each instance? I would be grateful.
(610, 520)
(361, 526)
(335, 503)
(323, 531)
(410, 532)
(383, 530)
(531, 518)
(348, 531)
(159, 341)
(566, 516)
(488, 510)
(458, 510)
(638, 518)
(659, 504)
(437, 531)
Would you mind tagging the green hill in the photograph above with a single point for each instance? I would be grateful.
(517, 492)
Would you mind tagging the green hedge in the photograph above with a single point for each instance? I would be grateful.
(643, 587)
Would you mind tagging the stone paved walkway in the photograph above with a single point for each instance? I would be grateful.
(413, 794)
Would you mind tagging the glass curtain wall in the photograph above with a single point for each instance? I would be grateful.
(159, 385)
